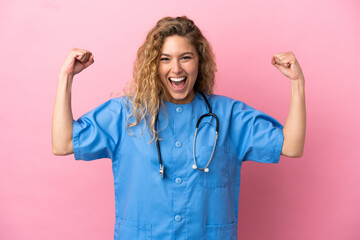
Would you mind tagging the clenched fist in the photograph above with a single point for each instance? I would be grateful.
(76, 61)
(288, 65)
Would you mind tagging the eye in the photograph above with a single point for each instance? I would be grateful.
(186, 57)
(164, 59)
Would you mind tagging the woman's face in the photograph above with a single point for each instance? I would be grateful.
(178, 69)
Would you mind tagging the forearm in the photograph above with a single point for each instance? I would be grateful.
(62, 124)
(295, 126)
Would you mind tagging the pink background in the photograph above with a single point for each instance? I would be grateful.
(43, 196)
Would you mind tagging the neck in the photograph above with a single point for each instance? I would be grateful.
(187, 99)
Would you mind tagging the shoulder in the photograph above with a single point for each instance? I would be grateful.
(220, 101)
(230, 108)
(235, 109)
(122, 102)
(112, 106)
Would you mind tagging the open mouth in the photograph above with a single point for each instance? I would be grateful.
(177, 82)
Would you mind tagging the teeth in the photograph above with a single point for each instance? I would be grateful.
(177, 79)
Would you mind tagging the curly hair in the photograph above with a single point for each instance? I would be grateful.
(146, 93)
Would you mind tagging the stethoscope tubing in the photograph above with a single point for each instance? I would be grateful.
(209, 114)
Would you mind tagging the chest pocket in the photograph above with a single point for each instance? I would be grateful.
(218, 175)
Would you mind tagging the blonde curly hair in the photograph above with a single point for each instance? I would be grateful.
(146, 91)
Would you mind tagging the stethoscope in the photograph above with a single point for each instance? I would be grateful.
(195, 166)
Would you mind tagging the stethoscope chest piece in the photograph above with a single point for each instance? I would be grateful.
(161, 171)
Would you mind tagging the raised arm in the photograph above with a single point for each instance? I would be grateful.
(62, 124)
(295, 126)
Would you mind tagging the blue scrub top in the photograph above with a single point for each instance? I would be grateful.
(186, 203)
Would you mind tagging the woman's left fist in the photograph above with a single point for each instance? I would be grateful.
(288, 65)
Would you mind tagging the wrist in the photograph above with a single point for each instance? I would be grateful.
(65, 81)
(64, 75)
(300, 79)
(298, 85)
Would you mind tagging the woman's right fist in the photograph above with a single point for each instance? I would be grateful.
(76, 61)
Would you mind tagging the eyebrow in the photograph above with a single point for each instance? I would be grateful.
(185, 53)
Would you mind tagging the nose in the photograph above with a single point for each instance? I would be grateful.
(176, 67)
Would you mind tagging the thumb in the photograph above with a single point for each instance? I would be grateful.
(89, 61)
(279, 66)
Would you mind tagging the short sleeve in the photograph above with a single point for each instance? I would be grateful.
(261, 136)
(97, 133)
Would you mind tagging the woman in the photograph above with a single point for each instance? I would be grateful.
(176, 170)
